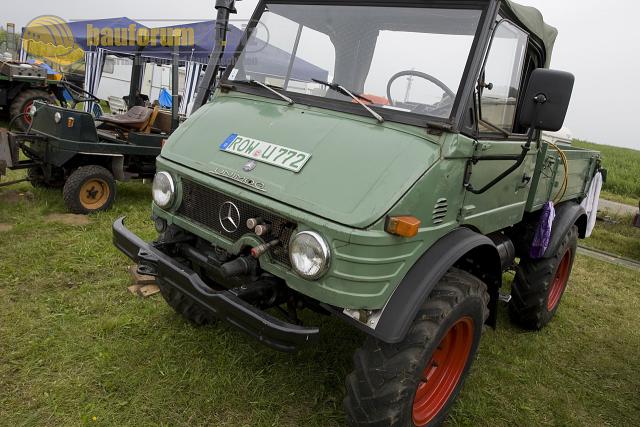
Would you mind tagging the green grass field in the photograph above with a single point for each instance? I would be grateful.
(618, 237)
(77, 349)
(623, 165)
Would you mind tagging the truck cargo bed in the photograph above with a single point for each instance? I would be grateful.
(550, 171)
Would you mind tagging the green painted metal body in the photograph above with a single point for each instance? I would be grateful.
(359, 173)
(59, 143)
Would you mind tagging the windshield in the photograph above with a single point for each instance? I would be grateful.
(404, 59)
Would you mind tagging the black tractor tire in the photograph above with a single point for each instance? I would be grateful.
(36, 177)
(22, 103)
(540, 284)
(89, 189)
(184, 305)
(388, 386)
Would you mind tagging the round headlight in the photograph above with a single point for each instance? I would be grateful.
(163, 189)
(309, 254)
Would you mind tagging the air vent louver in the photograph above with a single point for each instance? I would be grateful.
(440, 211)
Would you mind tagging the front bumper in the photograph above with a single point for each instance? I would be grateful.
(225, 305)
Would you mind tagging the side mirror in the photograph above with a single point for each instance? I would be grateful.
(546, 100)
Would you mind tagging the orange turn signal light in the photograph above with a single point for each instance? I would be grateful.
(405, 226)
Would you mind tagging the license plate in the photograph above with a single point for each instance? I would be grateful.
(265, 152)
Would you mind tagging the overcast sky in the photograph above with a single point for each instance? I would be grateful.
(597, 44)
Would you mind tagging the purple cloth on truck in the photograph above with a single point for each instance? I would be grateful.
(542, 237)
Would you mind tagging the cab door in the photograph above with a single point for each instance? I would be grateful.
(497, 97)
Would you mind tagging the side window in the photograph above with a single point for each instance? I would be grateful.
(500, 80)
(109, 65)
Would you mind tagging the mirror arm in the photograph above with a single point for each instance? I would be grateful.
(539, 100)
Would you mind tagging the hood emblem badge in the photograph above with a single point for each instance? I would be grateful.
(237, 177)
(249, 166)
(229, 217)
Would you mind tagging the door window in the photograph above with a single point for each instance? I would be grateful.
(500, 81)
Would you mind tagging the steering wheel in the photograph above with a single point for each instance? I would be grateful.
(79, 95)
(450, 94)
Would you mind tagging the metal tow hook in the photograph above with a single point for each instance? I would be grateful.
(260, 250)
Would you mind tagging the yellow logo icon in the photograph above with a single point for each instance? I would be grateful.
(49, 37)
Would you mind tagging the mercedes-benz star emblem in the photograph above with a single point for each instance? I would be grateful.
(249, 166)
(229, 217)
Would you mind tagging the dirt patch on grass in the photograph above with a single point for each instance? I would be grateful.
(14, 196)
(68, 219)
(5, 227)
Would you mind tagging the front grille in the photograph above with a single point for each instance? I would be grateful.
(202, 205)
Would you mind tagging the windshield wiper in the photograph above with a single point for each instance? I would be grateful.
(267, 87)
(355, 96)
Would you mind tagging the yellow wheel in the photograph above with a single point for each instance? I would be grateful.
(94, 194)
(89, 189)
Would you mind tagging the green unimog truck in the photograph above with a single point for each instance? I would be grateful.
(391, 190)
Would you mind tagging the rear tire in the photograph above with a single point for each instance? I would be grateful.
(36, 177)
(540, 283)
(415, 382)
(89, 189)
(22, 103)
(184, 305)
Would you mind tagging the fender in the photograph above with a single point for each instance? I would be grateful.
(568, 214)
(404, 304)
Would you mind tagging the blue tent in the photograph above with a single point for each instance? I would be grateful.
(125, 36)
(86, 41)
(199, 48)
(120, 35)
(274, 61)
(271, 60)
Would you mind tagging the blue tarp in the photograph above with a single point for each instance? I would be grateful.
(165, 99)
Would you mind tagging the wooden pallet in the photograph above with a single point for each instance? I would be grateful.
(142, 285)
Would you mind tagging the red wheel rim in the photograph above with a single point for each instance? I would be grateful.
(27, 109)
(443, 372)
(559, 281)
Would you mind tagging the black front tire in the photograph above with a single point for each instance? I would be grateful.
(540, 284)
(89, 189)
(385, 382)
(184, 305)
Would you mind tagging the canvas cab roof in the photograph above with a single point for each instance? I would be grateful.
(531, 18)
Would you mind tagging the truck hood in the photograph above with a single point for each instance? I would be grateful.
(357, 171)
